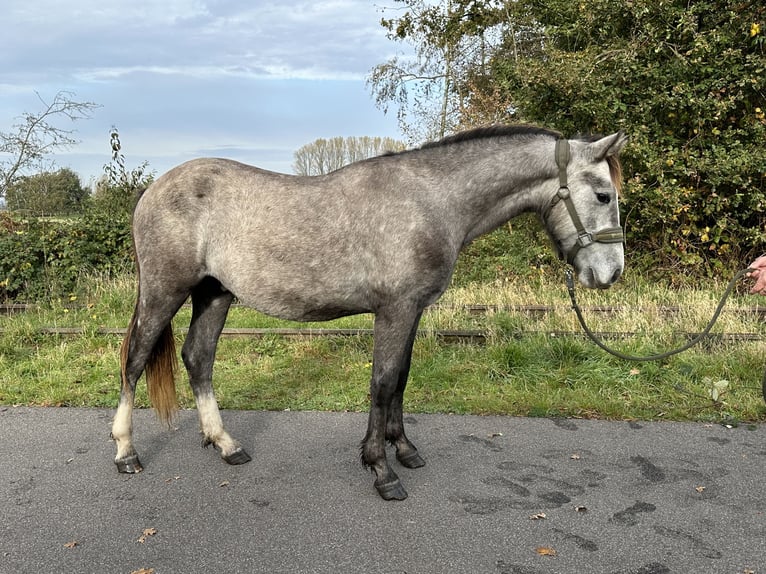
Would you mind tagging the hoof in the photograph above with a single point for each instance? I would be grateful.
(392, 490)
(239, 456)
(411, 460)
(129, 464)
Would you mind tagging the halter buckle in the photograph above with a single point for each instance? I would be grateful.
(584, 239)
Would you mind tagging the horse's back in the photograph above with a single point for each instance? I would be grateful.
(208, 180)
(227, 186)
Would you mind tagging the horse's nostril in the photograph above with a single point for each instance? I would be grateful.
(600, 284)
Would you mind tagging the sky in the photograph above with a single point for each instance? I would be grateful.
(250, 80)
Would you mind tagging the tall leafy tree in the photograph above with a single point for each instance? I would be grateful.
(118, 190)
(688, 82)
(450, 39)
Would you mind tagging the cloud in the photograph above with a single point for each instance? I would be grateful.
(99, 41)
(265, 71)
(184, 78)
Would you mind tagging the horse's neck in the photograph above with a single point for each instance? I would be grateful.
(487, 189)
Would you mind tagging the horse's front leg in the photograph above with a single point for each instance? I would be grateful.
(392, 335)
(406, 453)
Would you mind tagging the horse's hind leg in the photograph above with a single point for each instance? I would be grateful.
(406, 453)
(126, 458)
(149, 333)
(210, 305)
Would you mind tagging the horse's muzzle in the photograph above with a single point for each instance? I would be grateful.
(593, 280)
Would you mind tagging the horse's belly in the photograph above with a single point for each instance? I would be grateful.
(293, 305)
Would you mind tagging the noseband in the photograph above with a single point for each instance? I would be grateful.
(584, 237)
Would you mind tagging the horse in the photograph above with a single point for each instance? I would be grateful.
(379, 236)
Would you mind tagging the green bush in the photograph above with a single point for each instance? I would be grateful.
(686, 81)
(43, 258)
(520, 249)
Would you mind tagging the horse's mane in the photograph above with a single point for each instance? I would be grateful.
(615, 171)
(519, 130)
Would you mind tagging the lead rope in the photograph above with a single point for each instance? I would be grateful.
(659, 356)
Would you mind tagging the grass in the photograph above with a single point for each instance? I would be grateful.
(522, 369)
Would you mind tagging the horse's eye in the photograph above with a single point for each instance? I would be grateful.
(603, 197)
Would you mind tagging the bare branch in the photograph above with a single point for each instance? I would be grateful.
(35, 136)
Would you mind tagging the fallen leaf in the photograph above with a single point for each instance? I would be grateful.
(635, 371)
(700, 489)
(143, 571)
(146, 534)
(717, 389)
(71, 544)
(545, 551)
(538, 516)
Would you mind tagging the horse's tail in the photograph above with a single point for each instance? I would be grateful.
(160, 370)
(160, 376)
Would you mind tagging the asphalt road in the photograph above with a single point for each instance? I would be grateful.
(498, 495)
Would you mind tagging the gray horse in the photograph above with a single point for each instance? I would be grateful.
(378, 236)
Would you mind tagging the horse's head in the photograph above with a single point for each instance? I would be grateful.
(583, 218)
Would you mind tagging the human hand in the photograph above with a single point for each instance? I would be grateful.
(759, 274)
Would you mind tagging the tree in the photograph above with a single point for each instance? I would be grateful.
(687, 81)
(325, 155)
(47, 193)
(450, 39)
(36, 136)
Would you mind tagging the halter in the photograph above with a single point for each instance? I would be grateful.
(584, 238)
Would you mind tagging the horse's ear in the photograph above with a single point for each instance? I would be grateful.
(609, 146)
